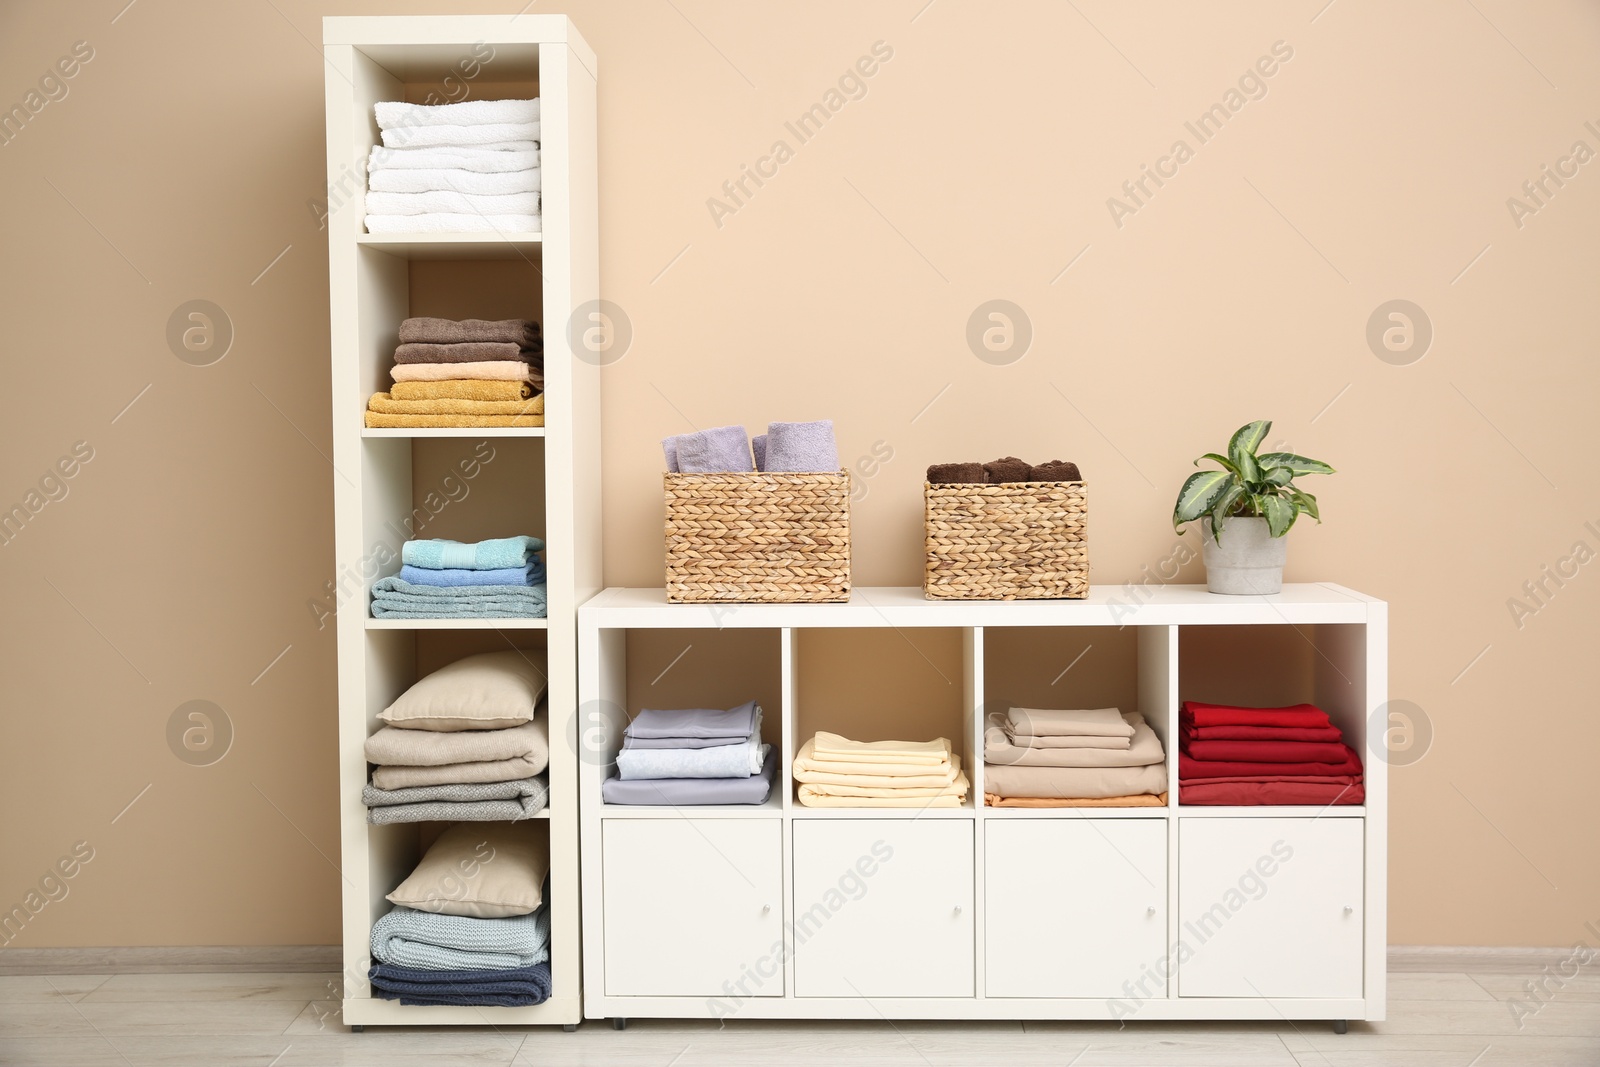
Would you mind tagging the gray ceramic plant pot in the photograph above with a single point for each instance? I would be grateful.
(1248, 561)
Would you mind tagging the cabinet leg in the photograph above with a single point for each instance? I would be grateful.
(358, 1029)
(1341, 1026)
(570, 1028)
(619, 1024)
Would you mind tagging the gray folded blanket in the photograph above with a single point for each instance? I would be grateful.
(432, 942)
(457, 802)
(434, 331)
(466, 352)
(396, 598)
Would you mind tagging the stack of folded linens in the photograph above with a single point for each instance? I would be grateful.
(1095, 757)
(501, 578)
(466, 743)
(470, 925)
(464, 373)
(455, 168)
(693, 756)
(836, 772)
(1245, 756)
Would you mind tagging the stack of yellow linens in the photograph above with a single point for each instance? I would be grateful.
(467, 373)
(836, 772)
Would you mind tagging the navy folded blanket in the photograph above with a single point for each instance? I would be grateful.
(521, 987)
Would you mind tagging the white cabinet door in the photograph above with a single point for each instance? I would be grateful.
(1075, 908)
(883, 908)
(1270, 907)
(693, 907)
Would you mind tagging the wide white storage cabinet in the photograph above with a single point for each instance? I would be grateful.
(984, 911)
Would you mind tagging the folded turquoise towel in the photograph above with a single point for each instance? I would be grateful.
(493, 554)
(532, 574)
(396, 598)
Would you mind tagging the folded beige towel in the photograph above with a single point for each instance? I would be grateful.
(814, 795)
(1144, 750)
(489, 369)
(1095, 722)
(837, 749)
(462, 389)
(505, 770)
(1143, 800)
(1075, 782)
(394, 746)
(450, 406)
(808, 767)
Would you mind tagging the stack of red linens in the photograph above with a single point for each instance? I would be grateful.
(1248, 756)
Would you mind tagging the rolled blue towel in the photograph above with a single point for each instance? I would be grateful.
(758, 445)
(532, 574)
(802, 447)
(518, 987)
(715, 451)
(496, 553)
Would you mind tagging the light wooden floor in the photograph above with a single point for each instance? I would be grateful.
(287, 1020)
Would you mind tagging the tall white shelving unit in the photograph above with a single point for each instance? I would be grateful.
(979, 912)
(543, 481)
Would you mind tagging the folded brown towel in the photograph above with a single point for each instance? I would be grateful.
(1055, 471)
(467, 352)
(956, 473)
(524, 332)
(1006, 469)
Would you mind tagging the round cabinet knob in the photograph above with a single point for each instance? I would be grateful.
(1151, 910)
(958, 909)
(1348, 909)
(766, 908)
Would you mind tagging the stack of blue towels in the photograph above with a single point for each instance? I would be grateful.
(501, 578)
(786, 447)
(423, 958)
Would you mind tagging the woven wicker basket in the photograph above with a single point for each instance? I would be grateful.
(1012, 541)
(758, 538)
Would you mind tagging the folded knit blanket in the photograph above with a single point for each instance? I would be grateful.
(426, 941)
(383, 402)
(391, 114)
(466, 352)
(458, 179)
(457, 793)
(469, 811)
(520, 987)
(436, 200)
(395, 779)
(726, 761)
(394, 746)
(483, 159)
(532, 574)
(488, 370)
(453, 222)
(487, 555)
(461, 389)
(396, 598)
(483, 134)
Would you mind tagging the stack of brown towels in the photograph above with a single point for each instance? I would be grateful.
(1006, 469)
(467, 373)
(1096, 757)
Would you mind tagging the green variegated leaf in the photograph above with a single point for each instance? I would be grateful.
(1279, 513)
(1298, 464)
(1305, 503)
(1223, 508)
(1246, 439)
(1278, 476)
(1198, 494)
(1222, 461)
(1249, 469)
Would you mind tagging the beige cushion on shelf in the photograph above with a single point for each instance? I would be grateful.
(484, 870)
(490, 691)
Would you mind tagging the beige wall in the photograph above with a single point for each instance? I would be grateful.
(977, 167)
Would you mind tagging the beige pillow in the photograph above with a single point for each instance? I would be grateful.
(490, 691)
(485, 870)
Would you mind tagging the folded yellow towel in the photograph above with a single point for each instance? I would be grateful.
(495, 369)
(826, 796)
(450, 422)
(448, 406)
(838, 749)
(462, 389)
(808, 768)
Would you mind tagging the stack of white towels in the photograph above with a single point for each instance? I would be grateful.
(455, 168)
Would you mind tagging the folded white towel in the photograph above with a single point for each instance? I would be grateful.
(461, 181)
(426, 136)
(438, 200)
(502, 157)
(452, 222)
(466, 113)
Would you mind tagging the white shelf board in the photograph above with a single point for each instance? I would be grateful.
(458, 624)
(453, 431)
(902, 606)
(455, 245)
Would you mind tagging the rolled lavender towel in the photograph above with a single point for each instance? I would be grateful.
(758, 445)
(714, 451)
(1007, 469)
(462, 352)
(434, 331)
(802, 447)
(956, 473)
(1055, 471)
(670, 447)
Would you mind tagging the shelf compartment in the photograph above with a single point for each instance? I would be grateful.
(456, 246)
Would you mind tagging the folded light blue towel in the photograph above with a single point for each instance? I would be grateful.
(396, 598)
(429, 942)
(715, 451)
(493, 554)
(758, 445)
(802, 447)
(532, 574)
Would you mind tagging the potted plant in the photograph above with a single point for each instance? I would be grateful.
(1255, 498)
